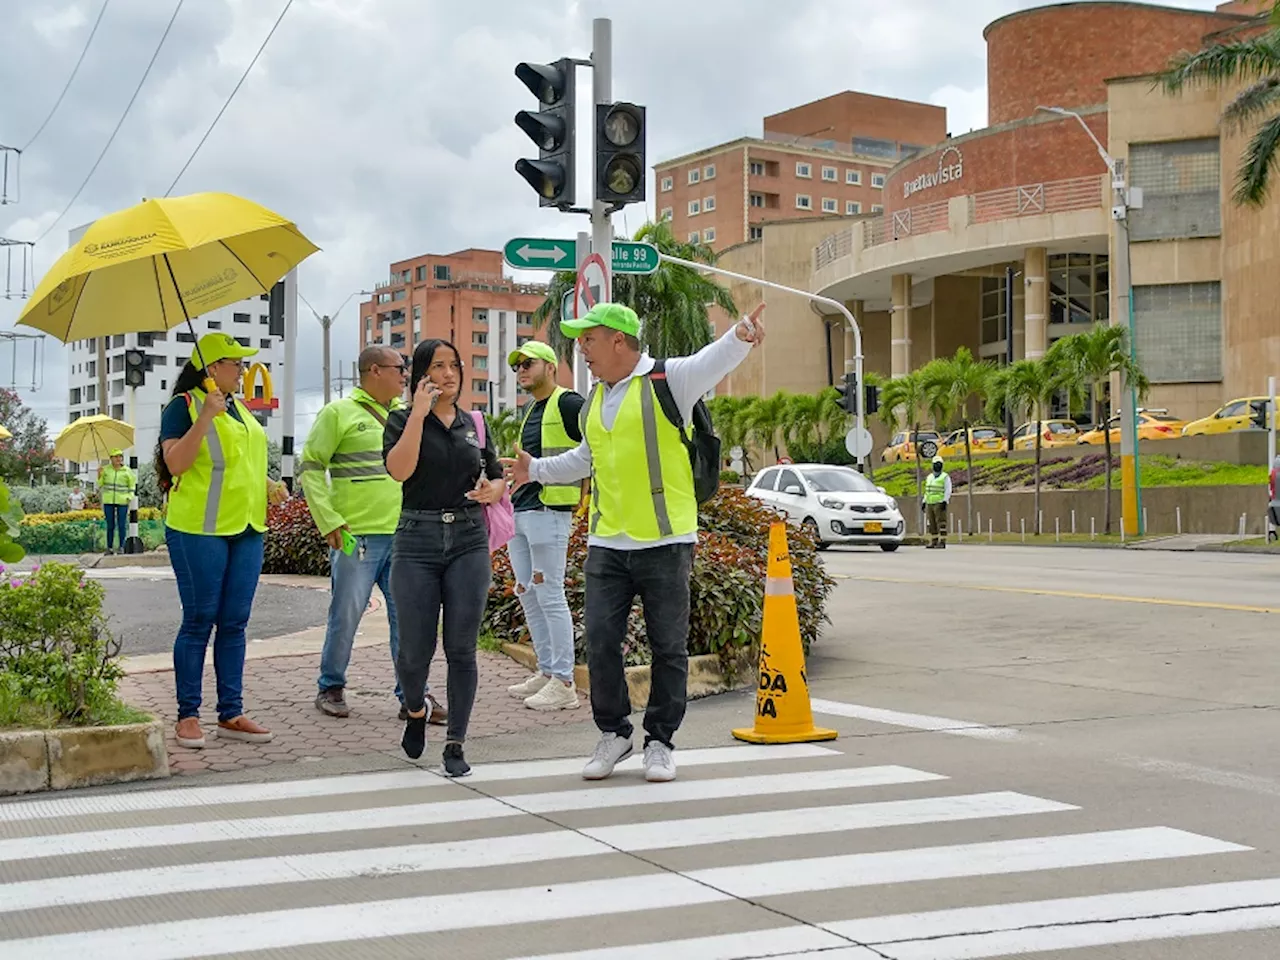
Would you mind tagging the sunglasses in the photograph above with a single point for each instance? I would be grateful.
(523, 365)
(402, 367)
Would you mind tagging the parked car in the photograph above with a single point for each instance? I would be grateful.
(1054, 433)
(837, 504)
(900, 449)
(981, 440)
(1236, 415)
(1152, 425)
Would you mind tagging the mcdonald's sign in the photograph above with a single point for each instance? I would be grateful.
(265, 402)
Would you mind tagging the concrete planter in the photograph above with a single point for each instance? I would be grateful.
(59, 759)
(706, 675)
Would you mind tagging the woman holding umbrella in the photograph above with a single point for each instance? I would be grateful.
(212, 460)
(117, 485)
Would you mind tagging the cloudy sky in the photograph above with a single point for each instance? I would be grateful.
(384, 127)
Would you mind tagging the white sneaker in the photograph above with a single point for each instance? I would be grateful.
(659, 764)
(555, 695)
(527, 688)
(609, 752)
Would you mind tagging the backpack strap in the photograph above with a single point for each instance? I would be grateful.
(373, 411)
(478, 417)
(667, 400)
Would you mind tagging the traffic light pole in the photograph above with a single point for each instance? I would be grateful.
(290, 377)
(860, 416)
(602, 92)
(133, 543)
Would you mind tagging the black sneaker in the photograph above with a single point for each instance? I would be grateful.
(414, 740)
(454, 763)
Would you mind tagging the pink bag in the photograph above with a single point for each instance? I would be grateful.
(500, 517)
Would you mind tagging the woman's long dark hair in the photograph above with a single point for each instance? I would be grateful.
(190, 378)
(423, 354)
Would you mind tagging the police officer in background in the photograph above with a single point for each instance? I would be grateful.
(937, 494)
(116, 484)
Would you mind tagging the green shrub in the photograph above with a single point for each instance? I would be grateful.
(10, 520)
(58, 662)
(46, 498)
(293, 544)
(730, 476)
(81, 536)
(726, 589)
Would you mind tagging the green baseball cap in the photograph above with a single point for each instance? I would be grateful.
(615, 316)
(220, 346)
(534, 350)
(117, 452)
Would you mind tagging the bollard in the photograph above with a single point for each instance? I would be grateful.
(1178, 514)
(1145, 529)
(960, 524)
(978, 526)
(1008, 522)
(1092, 528)
(1057, 533)
(1242, 524)
(1039, 523)
(1073, 523)
(991, 531)
(1122, 528)
(1022, 523)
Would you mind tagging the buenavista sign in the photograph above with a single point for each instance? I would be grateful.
(950, 168)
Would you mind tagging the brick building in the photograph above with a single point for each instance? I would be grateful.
(464, 298)
(826, 158)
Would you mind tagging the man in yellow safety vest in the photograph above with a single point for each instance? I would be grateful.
(116, 483)
(644, 520)
(937, 494)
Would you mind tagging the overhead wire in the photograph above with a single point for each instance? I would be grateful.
(74, 71)
(270, 34)
(119, 123)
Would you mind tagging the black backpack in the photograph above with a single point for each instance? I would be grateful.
(704, 447)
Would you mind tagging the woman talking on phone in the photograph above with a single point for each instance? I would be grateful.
(440, 558)
(212, 460)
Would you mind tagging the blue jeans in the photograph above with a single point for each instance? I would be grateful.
(537, 554)
(117, 515)
(351, 583)
(217, 578)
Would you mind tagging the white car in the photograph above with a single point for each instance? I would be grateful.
(837, 504)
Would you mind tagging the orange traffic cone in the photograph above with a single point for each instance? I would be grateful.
(783, 713)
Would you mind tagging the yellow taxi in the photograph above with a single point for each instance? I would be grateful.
(901, 449)
(1054, 433)
(981, 440)
(1152, 425)
(1236, 415)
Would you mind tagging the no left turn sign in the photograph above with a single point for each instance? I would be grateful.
(591, 286)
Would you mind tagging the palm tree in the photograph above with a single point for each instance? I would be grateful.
(731, 417)
(1088, 361)
(671, 302)
(902, 402)
(1255, 62)
(505, 427)
(810, 421)
(764, 420)
(1027, 386)
(962, 380)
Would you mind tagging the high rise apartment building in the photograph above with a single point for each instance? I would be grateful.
(830, 157)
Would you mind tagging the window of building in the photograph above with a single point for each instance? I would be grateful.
(398, 294)
(1078, 289)
(666, 213)
(117, 389)
(853, 178)
(480, 362)
(117, 411)
(479, 339)
(442, 272)
(870, 147)
(417, 311)
(709, 204)
(804, 170)
(243, 341)
(265, 298)
(667, 184)
(524, 320)
(993, 326)
(695, 175)
(215, 324)
(384, 298)
(877, 181)
(829, 205)
(264, 319)
(709, 172)
(397, 339)
(479, 386)
(185, 336)
(159, 361)
(709, 235)
(757, 168)
(480, 315)
(804, 201)
(756, 233)
(829, 174)
(240, 318)
(877, 208)
(852, 208)
(91, 368)
(1178, 331)
(420, 274)
(695, 207)
(117, 341)
(1180, 182)
(695, 237)
(757, 199)
(91, 393)
(75, 396)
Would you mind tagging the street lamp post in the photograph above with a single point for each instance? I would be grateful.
(326, 324)
(1130, 475)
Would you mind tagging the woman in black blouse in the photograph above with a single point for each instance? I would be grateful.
(441, 553)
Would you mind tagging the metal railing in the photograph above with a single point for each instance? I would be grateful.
(833, 248)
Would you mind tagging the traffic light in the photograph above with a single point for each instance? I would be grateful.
(620, 170)
(848, 390)
(275, 310)
(135, 368)
(1258, 414)
(551, 128)
(873, 399)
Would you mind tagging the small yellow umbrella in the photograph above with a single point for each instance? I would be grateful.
(92, 438)
(5, 434)
(156, 265)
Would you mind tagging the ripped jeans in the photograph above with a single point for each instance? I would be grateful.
(537, 554)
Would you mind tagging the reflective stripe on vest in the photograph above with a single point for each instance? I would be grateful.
(554, 440)
(644, 506)
(935, 488)
(225, 489)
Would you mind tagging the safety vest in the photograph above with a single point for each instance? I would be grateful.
(935, 487)
(116, 485)
(555, 440)
(641, 480)
(225, 490)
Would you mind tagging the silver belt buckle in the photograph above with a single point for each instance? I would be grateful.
(447, 517)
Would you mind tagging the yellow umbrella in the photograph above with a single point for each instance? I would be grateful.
(92, 438)
(5, 434)
(158, 264)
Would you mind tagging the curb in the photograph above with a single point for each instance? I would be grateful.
(706, 675)
(35, 760)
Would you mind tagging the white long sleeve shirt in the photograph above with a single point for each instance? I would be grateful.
(689, 378)
(946, 490)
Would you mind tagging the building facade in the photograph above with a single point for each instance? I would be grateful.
(464, 298)
(826, 158)
(1031, 194)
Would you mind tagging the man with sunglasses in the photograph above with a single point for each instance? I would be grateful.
(356, 509)
(544, 519)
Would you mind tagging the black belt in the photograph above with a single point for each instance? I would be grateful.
(444, 516)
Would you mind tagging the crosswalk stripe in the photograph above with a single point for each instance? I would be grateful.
(505, 851)
(186, 939)
(350, 784)
(449, 811)
(775, 942)
(918, 721)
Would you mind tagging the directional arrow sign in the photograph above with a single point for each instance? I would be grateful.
(632, 257)
(529, 253)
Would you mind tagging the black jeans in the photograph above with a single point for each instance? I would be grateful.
(660, 575)
(436, 564)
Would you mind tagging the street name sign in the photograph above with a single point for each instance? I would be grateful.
(630, 256)
(541, 253)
